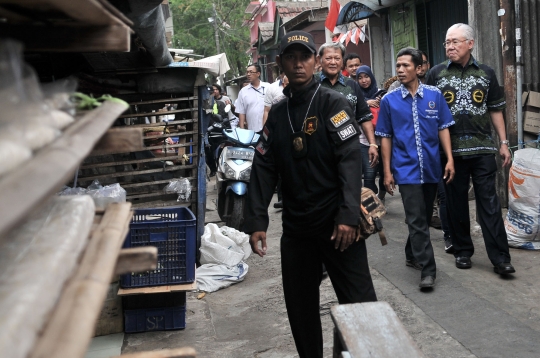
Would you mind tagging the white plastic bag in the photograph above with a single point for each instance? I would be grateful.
(213, 277)
(522, 221)
(224, 245)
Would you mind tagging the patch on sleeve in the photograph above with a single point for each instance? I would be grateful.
(347, 132)
(262, 147)
(265, 133)
(339, 119)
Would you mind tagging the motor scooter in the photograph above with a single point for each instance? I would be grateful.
(235, 157)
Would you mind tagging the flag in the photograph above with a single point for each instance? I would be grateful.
(333, 14)
(348, 39)
(357, 36)
(353, 36)
(363, 34)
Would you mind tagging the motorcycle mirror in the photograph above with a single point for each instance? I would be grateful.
(227, 108)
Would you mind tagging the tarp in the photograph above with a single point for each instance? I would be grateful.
(215, 65)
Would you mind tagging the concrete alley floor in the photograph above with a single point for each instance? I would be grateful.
(470, 313)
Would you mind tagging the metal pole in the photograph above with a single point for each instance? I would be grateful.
(519, 71)
(216, 35)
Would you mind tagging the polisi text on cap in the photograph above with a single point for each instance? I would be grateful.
(298, 38)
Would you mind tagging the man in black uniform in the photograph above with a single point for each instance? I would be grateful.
(311, 140)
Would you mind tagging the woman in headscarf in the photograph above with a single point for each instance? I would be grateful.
(368, 85)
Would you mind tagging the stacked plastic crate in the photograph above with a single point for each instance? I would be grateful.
(173, 231)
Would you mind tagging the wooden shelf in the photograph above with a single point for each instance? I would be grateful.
(25, 189)
(66, 25)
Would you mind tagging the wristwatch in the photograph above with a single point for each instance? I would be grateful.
(507, 142)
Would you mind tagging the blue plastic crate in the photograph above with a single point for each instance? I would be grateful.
(155, 319)
(173, 231)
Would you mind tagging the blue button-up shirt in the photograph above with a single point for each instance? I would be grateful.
(413, 123)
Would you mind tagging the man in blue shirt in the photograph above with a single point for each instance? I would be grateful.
(413, 121)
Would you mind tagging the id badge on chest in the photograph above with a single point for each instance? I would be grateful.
(299, 144)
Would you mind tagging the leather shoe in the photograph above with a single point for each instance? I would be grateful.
(427, 282)
(504, 268)
(414, 264)
(463, 262)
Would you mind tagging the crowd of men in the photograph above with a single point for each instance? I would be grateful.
(431, 138)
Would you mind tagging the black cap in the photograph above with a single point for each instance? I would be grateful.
(297, 37)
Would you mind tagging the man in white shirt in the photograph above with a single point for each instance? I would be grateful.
(274, 94)
(250, 102)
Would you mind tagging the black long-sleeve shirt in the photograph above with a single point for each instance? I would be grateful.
(323, 187)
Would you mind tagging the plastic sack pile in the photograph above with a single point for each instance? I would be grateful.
(32, 115)
(181, 186)
(223, 252)
(522, 222)
(102, 195)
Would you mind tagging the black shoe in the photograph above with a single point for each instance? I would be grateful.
(414, 264)
(278, 205)
(448, 246)
(427, 282)
(463, 262)
(504, 268)
(435, 222)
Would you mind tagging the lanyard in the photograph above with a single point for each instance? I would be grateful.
(306, 111)
(259, 92)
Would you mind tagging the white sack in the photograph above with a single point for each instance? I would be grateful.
(223, 245)
(522, 221)
(36, 259)
(213, 277)
(12, 155)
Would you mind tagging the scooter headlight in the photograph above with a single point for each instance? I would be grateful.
(229, 172)
(245, 174)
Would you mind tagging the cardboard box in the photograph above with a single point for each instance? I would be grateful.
(531, 112)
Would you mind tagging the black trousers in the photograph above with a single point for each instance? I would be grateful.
(418, 204)
(301, 260)
(482, 170)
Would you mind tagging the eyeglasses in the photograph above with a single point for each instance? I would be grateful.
(425, 62)
(453, 43)
(251, 72)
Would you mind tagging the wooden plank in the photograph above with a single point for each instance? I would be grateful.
(157, 289)
(169, 123)
(89, 12)
(119, 140)
(148, 114)
(168, 100)
(135, 161)
(149, 171)
(134, 185)
(25, 189)
(150, 195)
(372, 330)
(136, 259)
(72, 323)
(172, 134)
(70, 38)
(186, 352)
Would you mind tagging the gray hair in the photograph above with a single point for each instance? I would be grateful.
(468, 31)
(336, 45)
